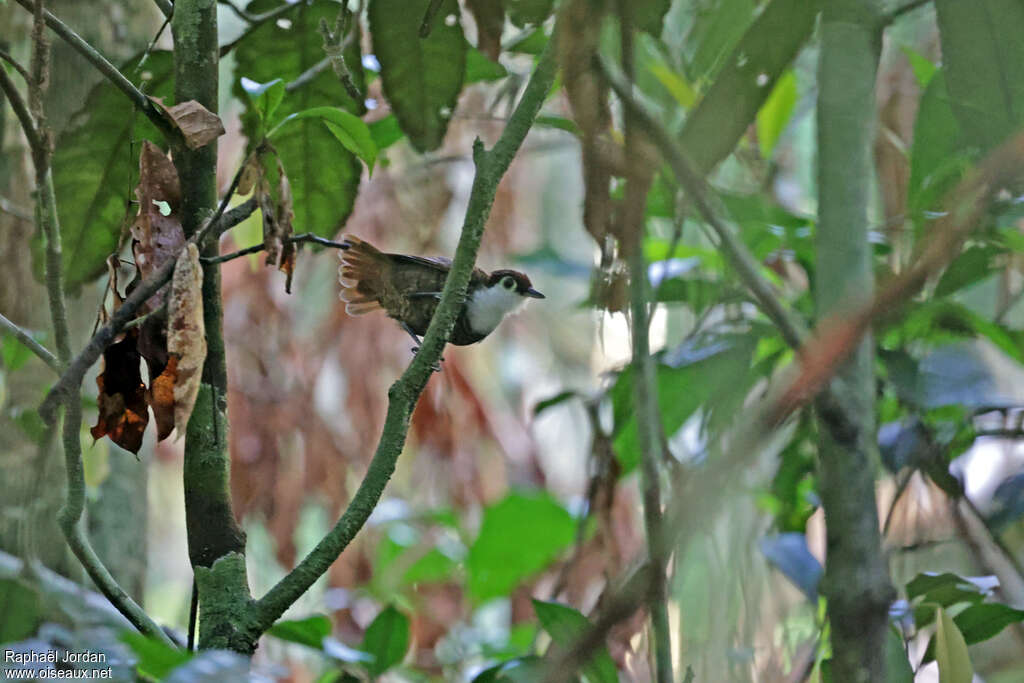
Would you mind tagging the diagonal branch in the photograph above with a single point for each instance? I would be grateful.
(403, 394)
(31, 344)
(110, 71)
(306, 237)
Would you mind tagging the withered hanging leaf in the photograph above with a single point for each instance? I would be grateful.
(162, 371)
(275, 199)
(123, 413)
(186, 336)
(157, 233)
(198, 125)
(250, 175)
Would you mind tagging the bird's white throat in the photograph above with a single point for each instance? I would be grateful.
(489, 305)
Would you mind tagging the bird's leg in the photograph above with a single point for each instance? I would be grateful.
(416, 338)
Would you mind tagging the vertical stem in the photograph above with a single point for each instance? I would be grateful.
(645, 388)
(213, 532)
(856, 581)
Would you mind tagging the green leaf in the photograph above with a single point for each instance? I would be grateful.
(387, 639)
(981, 57)
(479, 67)
(985, 620)
(937, 153)
(386, 132)
(897, 665)
(716, 32)
(527, 669)
(559, 122)
(422, 77)
(747, 76)
(13, 354)
(22, 614)
(95, 169)
(348, 128)
(310, 631)
(155, 659)
(951, 651)
(648, 15)
(433, 567)
(713, 377)
(775, 113)
(923, 67)
(971, 266)
(565, 625)
(519, 535)
(323, 174)
(533, 43)
(266, 97)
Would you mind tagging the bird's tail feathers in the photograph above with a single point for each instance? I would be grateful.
(362, 269)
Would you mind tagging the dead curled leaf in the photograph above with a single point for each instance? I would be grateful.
(157, 235)
(275, 200)
(123, 413)
(198, 125)
(186, 336)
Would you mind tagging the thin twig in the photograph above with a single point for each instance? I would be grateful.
(306, 237)
(255, 21)
(336, 41)
(645, 387)
(31, 344)
(6, 56)
(21, 111)
(308, 75)
(106, 68)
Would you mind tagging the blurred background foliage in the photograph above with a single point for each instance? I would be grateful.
(516, 502)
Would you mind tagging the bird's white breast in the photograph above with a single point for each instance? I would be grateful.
(489, 305)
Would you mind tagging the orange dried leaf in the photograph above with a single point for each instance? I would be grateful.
(161, 398)
(186, 334)
(123, 413)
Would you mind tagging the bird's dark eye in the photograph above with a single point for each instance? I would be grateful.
(508, 283)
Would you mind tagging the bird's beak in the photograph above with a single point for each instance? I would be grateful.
(534, 294)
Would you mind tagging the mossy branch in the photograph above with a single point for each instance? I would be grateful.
(404, 393)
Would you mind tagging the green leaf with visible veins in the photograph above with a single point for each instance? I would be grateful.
(323, 174)
(96, 168)
(422, 77)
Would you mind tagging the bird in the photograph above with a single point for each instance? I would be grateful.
(408, 288)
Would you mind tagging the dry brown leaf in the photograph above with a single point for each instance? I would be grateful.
(186, 336)
(275, 200)
(156, 233)
(490, 21)
(198, 125)
(123, 413)
(250, 175)
(161, 398)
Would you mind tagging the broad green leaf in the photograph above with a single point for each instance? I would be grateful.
(982, 54)
(746, 78)
(422, 77)
(387, 639)
(897, 665)
(479, 67)
(212, 666)
(649, 15)
(775, 113)
(945, 590)
(386, 132)
(509, 548)
(937, 154)
(96, 167)
(519, 670)
(677, 86)
(310, 631)
(565, 625)
(266, 97)
(985, 620)
(717, 29)
(22, 614)
(348, 128)
(713, 377)
(14, 354)
(951, 651)
(434, 566)
(971, 266)
(923, 67)
(155, 658)
(323, 174)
